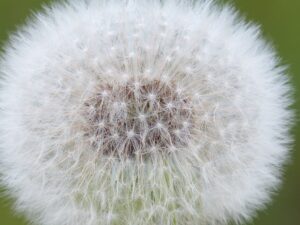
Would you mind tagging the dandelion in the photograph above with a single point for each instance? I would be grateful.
(141, 112)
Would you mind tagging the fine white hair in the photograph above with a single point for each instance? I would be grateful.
(141, 112)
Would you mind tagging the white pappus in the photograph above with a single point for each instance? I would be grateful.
(141, 112)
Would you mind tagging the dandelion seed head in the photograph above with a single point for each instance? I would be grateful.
(142, 112)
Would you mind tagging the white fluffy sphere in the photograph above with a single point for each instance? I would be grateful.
(141, 112)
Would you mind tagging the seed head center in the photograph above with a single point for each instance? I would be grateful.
(138, 116)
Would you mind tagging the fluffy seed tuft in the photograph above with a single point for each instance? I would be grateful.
(141, 113)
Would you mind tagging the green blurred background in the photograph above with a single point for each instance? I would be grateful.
(280, 21)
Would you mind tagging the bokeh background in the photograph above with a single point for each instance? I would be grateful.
(280, 22)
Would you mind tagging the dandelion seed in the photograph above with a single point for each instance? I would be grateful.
(130, 134)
